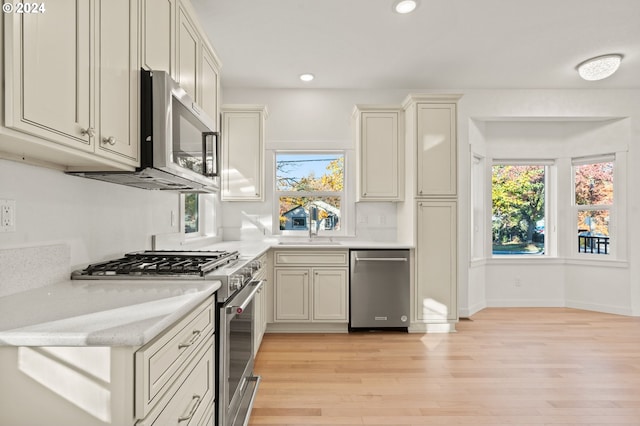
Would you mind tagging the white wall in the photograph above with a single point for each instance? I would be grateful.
(98, 220)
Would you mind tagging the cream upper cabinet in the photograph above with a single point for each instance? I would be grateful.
(187, 52)
(73, 78)
(171, 40)
(380, 145)
(436, 260)
(243, 128)
(209, 86)
(117, 75)
(157, 29)
(48, 59)
(436, 149)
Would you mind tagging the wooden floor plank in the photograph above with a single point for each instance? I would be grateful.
(506, 366)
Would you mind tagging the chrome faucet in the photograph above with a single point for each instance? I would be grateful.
(313, 216)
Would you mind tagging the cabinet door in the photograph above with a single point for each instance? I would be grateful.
(117, 81)
(187, 53)
(379, 156)
(330, 295)
(436, 149)
(48, 58)
(209, 84)
(242, 155)
(157, 27)
(436, 260)
(291, 294)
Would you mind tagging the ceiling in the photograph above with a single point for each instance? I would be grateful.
(443, 44)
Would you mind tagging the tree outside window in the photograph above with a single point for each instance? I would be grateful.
(518, 209)
(593, 201)
(310, 180)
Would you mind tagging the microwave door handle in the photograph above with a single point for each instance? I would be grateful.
(214, 152)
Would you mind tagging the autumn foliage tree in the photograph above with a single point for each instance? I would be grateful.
(517, 194)
(331, 181)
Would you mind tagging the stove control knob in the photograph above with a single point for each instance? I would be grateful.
(256, 265)
(235, 283)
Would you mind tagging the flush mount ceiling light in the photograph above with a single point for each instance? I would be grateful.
(599, 67)
(405, 6)
(307, 77)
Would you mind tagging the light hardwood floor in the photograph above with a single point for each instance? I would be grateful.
(507, 366)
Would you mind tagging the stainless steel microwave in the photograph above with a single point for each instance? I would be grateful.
(179, 145)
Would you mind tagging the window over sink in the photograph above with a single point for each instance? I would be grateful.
(308, 181)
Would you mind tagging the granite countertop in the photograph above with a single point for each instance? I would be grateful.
(98, 313)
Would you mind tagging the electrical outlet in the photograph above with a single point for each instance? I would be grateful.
(7, 215)
(518, 282)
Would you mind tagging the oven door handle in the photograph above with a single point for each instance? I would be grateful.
(253, 287)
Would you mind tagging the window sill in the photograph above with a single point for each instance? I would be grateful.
(547, 260)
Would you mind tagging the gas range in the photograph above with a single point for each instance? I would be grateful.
(233, 270)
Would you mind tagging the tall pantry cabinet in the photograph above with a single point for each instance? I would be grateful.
(428, 217)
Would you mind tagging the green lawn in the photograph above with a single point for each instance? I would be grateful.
(518, 248)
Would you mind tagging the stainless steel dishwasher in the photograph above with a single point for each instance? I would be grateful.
(379, 289)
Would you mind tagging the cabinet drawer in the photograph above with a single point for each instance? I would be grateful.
(306, 258)
(189, 400)
(160, 361)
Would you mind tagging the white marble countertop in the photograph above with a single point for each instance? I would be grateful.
(98, 312)
(256, 248)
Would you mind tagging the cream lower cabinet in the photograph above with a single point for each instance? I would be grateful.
(169, 381)
(311, 287)
(261, 307)
(73, 78)
(436, 253)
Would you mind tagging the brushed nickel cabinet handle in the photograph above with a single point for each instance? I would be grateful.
(194, 338)
(197, 399)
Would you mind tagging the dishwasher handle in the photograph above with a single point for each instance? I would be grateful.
(381, 259)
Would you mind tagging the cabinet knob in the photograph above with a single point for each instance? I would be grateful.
(110, 140)
(88, 132)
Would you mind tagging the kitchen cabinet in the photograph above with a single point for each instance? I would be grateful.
(171, 40)
(243, 129)
(311, 286)
(436, 262)
(431, 132)
(260, 306)
(428, 218)
(72, 78)
(170, 377)
(157, 30)
(380, 158)
(209, 83)
(187, 52)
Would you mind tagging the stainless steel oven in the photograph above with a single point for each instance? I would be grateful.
(237, 383)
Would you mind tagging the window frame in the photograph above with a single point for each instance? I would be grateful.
(549, 165)
(611, 208)
(344, 217)
(207, 219)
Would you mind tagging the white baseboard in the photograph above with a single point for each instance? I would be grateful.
(526, 303)
(466, 313)
(444, 327)
(607, 309)
(311, 327)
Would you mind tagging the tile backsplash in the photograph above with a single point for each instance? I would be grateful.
(27, 268)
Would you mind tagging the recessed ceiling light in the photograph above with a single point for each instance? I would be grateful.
(599, 67)
(405, 6)
(307, 77)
